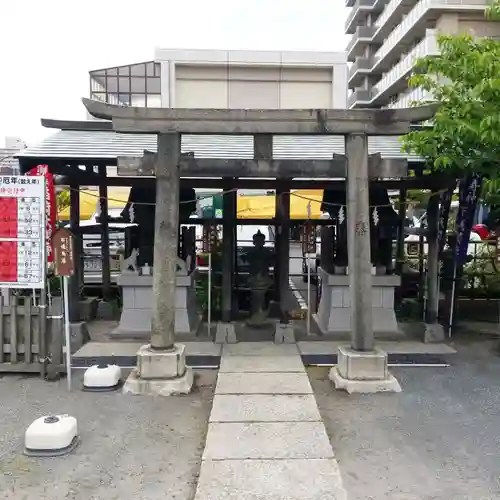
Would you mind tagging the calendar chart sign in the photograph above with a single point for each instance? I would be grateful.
(22, 232)
(50, 205)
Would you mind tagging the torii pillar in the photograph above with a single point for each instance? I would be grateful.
(161, 365)
(361, 367)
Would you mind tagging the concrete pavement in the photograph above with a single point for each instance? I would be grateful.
(207, 348)
(266, 438)
(436, 440)
(132, 447)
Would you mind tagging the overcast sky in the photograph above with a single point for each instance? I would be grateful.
(48, 47)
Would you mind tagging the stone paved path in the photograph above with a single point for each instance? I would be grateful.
(266, 439)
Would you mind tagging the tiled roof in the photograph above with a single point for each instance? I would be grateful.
(76, 144)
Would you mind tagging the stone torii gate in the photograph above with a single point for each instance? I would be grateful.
(161, 365)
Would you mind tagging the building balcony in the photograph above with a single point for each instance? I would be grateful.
(407, 99)
(395, 80)
(359, 11)
(414, 25)
(357, 44)
(357, 15)
(359, 69)
(390, 17)
(361, 98)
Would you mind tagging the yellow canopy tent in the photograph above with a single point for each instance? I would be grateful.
(263, 207)
(117, 198)
(255, 207)
(248, 207)
(300, 199)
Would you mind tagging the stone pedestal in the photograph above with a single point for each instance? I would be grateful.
(284, 334)
(137, 294)
(334, 312)
(363, 372)
(225, 333)
(162, 373)
(434, 332)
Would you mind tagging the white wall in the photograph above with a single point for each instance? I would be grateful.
(249, 79)
(12, 142)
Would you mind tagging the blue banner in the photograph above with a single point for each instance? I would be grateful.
(444, 213)
(468, 198)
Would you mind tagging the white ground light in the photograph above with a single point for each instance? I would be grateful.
(51, 436)
(102, 378)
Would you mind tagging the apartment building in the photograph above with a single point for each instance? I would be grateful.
(388, 36)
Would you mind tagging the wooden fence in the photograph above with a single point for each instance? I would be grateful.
(31, 337)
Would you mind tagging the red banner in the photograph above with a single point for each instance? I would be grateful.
(50, 205)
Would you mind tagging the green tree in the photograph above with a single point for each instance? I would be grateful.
(493, 10)
(62, 200)
(464, 78)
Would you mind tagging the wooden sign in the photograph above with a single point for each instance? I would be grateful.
(62, 242)
(209, 238)
(308, 239)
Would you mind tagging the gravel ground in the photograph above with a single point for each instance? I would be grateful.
(133, 447)
(438, 439)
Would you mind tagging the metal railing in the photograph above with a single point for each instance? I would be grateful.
(405, 100)
(415, 15)
(359, 7)
(428, 46)
(390, 8)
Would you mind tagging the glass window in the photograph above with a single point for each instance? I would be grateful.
(150, 69)
(112, 99)
(138, 85)
(138, 69)
(124, 99)
(112, 84)
(97, 85)
(154, 85)
(99, 96)
(154, 101)
(138, 100)
(124, 84)
(133, 85)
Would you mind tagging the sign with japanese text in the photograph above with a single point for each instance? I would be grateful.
(469, 192)
(50, 205)
(444, 214)
(62, 244)
(209, 238)
(22, 232)
(308, 239)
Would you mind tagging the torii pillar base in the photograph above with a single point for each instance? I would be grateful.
(363, 372)
(160, 373)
